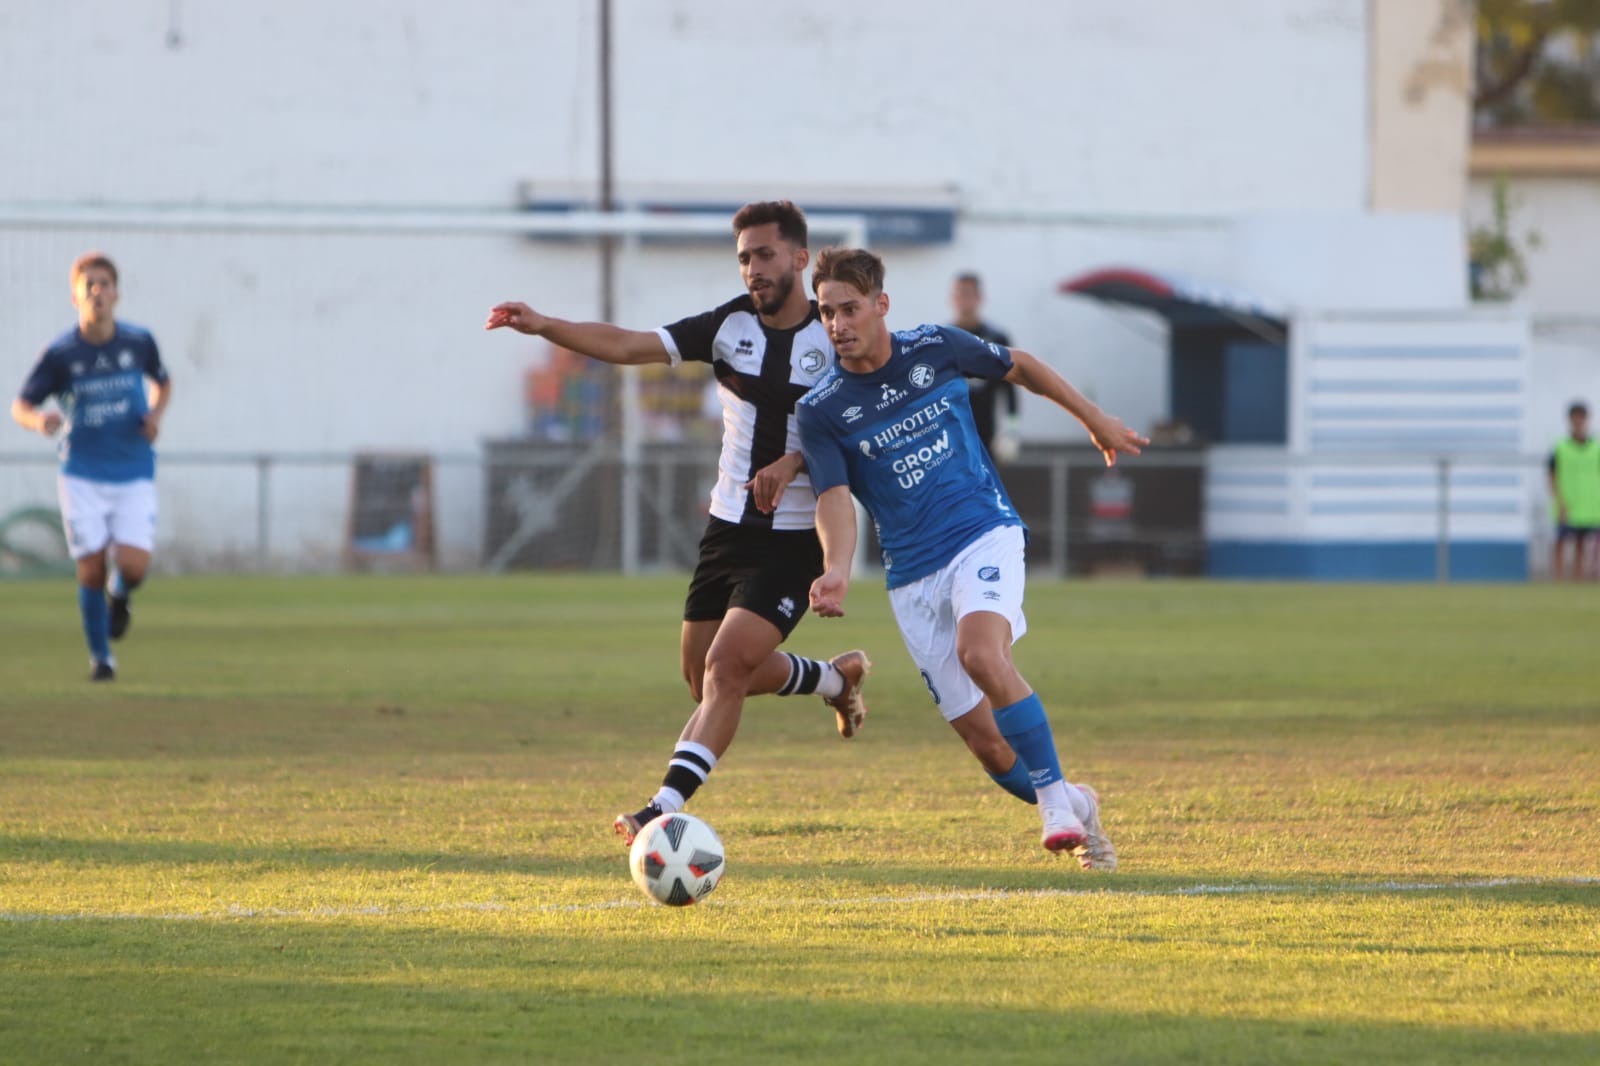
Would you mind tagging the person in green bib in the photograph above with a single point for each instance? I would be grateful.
(1575, 495)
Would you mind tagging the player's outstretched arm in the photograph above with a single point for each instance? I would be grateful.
(1107, 431)
(836, 528)
(597, 340)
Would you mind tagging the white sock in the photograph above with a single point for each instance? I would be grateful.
(1080, 803)
(1055, 797)
(832, 682)
(668, 800)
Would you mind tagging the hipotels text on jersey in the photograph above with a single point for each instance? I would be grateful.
(911, 423)
(114, 383)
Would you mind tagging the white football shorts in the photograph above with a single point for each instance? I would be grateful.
(98, 513)
(988, 575)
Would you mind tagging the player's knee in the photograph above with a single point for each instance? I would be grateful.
(726, 670)
(987, 664)
(92, 572)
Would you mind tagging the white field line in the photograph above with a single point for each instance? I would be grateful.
(973, 896)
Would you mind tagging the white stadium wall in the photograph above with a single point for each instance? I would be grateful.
(1065, 137)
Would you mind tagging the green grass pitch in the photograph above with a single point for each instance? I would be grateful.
(368, 820)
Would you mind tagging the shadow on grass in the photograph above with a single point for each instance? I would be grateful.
(274, 992)
(863, 879)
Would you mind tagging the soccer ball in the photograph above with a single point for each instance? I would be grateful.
(677, 859)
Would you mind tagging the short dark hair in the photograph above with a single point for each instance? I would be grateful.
(856, 267)
(1578, 408)
(93, 259)
(790, 219)
(967, 277)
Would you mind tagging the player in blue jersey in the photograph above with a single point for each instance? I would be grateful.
(893, 425)
(96, 372)
(759, 553)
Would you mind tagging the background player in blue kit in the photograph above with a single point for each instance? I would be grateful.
(893, 425)
(759, 553)
(96, 372)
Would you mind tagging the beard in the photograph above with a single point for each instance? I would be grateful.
(773, 298)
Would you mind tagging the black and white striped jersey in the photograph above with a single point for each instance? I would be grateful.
(760, 373)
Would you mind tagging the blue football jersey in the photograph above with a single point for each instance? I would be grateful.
(101, 390)
(903, 439)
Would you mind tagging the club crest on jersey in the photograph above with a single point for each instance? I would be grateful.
(922, 375)
(125, 359)
(813, 361)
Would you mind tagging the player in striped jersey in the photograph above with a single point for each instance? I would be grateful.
(760, 551)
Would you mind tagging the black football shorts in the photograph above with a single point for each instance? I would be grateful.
(765, 571)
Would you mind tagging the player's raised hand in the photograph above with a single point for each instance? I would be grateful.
(770, 481)
(1111, 437)
(827, 594)
(518, 316)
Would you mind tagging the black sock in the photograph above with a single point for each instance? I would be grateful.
(804, 676)
(687, 771)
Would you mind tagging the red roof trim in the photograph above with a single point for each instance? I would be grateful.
(1087, 283)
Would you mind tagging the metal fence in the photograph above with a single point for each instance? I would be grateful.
(522, 504)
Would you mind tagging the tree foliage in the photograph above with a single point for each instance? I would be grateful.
(1538, 62)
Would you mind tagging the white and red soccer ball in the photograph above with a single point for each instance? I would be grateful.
(676, 859)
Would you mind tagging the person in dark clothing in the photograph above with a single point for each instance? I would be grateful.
(966, 299)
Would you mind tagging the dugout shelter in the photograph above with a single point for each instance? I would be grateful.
(1371, 444)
